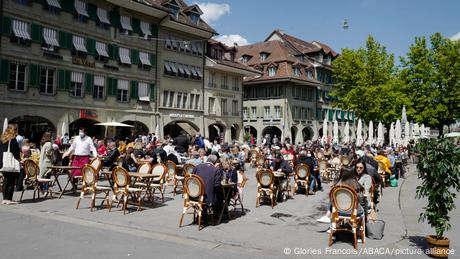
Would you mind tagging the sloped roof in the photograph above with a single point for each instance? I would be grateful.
(182, 17)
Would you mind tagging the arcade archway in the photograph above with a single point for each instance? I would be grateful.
(216, 132)
(175, 128)
(272, 131)
(91, 129)
(307, 133)
(138, 129)
(33, 127)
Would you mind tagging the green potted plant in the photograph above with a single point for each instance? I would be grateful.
(438, 168)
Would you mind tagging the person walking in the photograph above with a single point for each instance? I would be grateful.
(8, 142)
(82, 148)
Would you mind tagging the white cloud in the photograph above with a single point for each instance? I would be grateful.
(213, 11)
(456, 36)
(229, 40)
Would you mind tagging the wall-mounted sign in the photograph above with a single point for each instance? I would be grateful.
(180, 115)
(88, 114)
(224, 95)
(83, 62)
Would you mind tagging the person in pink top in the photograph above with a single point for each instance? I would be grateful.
(101, 148)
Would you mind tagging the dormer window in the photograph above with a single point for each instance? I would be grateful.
(327, 60)
(174, 11)
(263, 56)
(296, 71)
(309, 74)
(245, 59)
(272, 71)
(195, 18)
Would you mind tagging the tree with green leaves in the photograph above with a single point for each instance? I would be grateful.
(430, 77)
(365, 83)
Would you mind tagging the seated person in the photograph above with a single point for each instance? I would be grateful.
(195, 160)
(281, 165)
(212, 178)
(112, 155)
(130, 161)
(347, 177)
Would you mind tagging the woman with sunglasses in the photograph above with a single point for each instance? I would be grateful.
(366, 181)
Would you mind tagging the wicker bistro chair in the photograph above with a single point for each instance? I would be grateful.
(344, 200)
(96, 163)
(188, 169)
(237, 199)
(193, 198)
(159, 172)
(302, 177)
(253, 157)
(121, 186)
(119, 161)
(265, 186)
(323, 169)
(32, 180)
(144, 168)
(345, 161)
(172, 171)
(89, 185)
(260, 160)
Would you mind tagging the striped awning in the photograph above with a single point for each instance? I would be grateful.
(99, 80)
(102, 15)
(101, 49)
(76, 77)
(123, 84)
(80, 7)
(21, 29)
(54, 3)
(124, 56)
(198, 71)
(79, 43)
(143, 92)
(144, 57)
(187, 70)
(126, 23)
(49, 35)
(145, 28)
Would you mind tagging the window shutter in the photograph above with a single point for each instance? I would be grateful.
(6, 25)
(134, 92)
(61, 75)
(68, 6)
(91, 46)
(113, 51)
(152, 92)
(153, 59)
(112, 83)
(65, 40)
(33, 75)
(92, 11)
(136, 23)
(89, 82)
(115, 19)
(64, 80)
(36, 31)
(154, 30)
(134, 57)
(4, 70)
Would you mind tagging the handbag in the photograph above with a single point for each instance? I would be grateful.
(393, 181)
(10, 164)
(375, 229)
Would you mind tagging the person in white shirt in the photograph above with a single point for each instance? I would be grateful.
(82, 148)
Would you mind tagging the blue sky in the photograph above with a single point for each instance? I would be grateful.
(394, 23)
